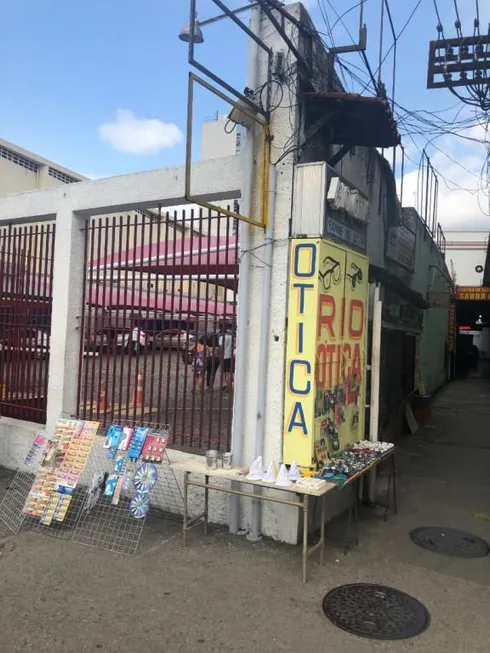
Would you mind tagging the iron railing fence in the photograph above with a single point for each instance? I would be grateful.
(26, 279)
(155, 285)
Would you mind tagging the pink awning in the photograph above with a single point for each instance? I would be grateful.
(174, 304)
(201, 255)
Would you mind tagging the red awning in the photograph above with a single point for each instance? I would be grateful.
(173, 304)
(355, 119)
(203, 255)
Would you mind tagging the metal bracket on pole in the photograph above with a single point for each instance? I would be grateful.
(258, 119)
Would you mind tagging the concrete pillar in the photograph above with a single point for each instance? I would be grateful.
(69, 252)
(43, 177)
(280, 522)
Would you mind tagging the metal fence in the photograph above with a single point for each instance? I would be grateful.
(158, 324)
(441, 240)
(26, 275)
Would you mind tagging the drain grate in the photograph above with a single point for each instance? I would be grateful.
(375, 611)
(450, 542)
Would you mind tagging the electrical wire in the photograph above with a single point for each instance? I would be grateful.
(414, 124)
(476, 23)
(457, 24)
(347, 11)
(396, 39)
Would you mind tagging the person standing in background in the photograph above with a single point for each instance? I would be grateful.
(200, 362)
(212, 360)
(226, 344)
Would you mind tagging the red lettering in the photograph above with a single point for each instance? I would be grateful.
(338, 364)
(325, 320)
(342, 319)
(356, 361)
(346, 354)
(330, 350)
(321, 365)
(356, 318)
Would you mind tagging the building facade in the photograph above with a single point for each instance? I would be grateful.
(21, 170)
(381, 247)
(466, 255)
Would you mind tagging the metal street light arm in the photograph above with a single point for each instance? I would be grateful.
(215, 19)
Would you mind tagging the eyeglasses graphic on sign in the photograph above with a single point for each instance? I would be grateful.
(331, 273)
(356, 276)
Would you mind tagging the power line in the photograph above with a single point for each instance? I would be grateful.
(457, 24)
(396, 39)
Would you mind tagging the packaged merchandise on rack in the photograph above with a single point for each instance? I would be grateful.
(113, 439)
(36, 448)
(155, 446)
(127, 434)
(137, 442)
(64, 460)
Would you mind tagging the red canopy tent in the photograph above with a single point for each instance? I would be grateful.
(113, 298)
(199, 257)
(196, 255)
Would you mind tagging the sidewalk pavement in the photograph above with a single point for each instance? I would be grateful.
(223, 594)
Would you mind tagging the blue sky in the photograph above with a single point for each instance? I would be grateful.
(100, 86)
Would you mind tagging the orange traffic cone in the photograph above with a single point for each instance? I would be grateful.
(138, 395)
(103, 406)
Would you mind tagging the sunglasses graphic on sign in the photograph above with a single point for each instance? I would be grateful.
(331, 273)
(356, 276)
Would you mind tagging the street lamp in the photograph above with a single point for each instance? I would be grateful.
(185, 32)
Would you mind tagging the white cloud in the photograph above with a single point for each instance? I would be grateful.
(133, 135)
(463, 198)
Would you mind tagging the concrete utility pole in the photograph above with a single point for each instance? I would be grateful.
(243, 287)
(259, 384)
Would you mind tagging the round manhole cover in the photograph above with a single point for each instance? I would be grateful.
(450, 542)
(375, 611)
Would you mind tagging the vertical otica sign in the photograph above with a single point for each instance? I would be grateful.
(299, 404)
(326, 350)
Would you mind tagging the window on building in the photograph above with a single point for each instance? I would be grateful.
(18, 159)
(61, 176)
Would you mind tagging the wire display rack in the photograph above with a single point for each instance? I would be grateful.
(97, 517)
(13, 501)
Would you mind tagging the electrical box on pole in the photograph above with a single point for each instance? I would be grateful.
(459, 62)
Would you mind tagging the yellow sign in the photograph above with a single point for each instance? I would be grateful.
(325, 389)
(473, 292)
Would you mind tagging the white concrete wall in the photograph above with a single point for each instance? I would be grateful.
(15, 178)
(215, 141)
(466, 249)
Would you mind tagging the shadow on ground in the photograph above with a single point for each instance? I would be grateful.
(224, 594)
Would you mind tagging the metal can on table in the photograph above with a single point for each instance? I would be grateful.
(212, 459)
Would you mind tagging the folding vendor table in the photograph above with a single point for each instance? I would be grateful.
(294, 495)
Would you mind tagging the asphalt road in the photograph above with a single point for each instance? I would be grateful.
(169, 396)
(198, 421)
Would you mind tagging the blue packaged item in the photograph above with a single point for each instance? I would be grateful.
(113, 438)
(118, 464)
(137, 441)
(110, 486)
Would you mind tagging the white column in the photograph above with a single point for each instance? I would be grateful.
(43, 177)
(280, 522)
(65, 320)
